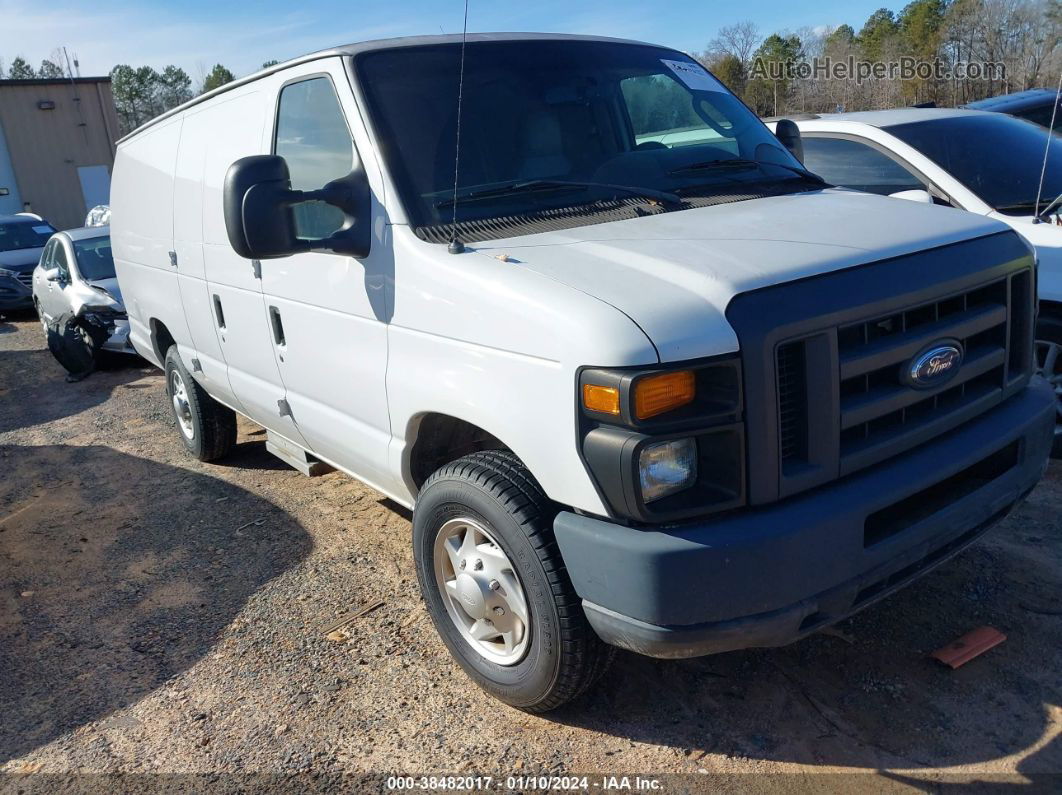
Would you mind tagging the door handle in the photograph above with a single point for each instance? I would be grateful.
(278, 326)
(219, 313)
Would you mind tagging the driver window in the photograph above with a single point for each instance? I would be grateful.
(313, 137)
(48, 255)
(60, 261)
(856, 165)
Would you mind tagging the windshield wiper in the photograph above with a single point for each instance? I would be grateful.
(1031, 205)
(535, 185)
(742, 162)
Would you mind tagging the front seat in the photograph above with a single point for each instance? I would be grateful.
(543, 148)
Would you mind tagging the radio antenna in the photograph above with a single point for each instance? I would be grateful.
(1047, 148)
(456, 246)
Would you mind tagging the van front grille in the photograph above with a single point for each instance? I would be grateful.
(792, 401)
(828, 360)
(879, 414)
(878, 409)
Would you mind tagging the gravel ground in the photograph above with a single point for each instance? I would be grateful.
(162, 615)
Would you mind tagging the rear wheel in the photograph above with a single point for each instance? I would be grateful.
(495, 585)
(1049, 365)
(207, 428)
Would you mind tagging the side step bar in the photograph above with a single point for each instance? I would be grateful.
(295, 456)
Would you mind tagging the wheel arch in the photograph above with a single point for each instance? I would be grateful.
(434, 439)
(161, 340)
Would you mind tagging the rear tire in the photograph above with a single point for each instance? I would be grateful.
(1049, 356)
(207, 428)
(512, 565)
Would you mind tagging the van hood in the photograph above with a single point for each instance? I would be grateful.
(675, 273)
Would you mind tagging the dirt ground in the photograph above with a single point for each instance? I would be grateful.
(162, 615)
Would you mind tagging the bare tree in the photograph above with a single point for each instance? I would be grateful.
(740, 40)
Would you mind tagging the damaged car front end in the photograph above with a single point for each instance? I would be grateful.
(77, 297)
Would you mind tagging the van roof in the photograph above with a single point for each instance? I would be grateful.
(366, 46)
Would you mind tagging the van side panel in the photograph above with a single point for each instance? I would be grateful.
(498, 345)
(196, 134)
(333, 309)
(237, 123)
(142, 234)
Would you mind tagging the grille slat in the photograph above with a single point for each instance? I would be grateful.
(25, 278)
(890, 350)
(883, 400)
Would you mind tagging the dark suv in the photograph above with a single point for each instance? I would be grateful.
(22, 238)
(1036, 105)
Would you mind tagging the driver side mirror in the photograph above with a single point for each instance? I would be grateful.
(52, 275)
(786, 131)
(258, 202)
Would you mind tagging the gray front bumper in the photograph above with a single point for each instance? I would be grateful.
(767, 576)
(119, 339)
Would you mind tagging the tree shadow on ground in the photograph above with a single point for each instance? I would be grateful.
(867, 694)
(36, 392)
(117, 573)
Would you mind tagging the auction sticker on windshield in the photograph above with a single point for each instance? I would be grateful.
(693, 75)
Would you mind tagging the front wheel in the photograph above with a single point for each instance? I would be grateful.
(495, 586)
(1049, 365)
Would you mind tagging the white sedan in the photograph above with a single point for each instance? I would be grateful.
(75, 280)
(985, 163)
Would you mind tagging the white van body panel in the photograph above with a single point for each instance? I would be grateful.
(188, 245)
(334, 311)
(498, 345)
(245, 336)
(143, 187)
(674, 274)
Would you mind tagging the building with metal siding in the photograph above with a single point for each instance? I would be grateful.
(57, 141)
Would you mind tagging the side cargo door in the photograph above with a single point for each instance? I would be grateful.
(234, 126)
(328, 313)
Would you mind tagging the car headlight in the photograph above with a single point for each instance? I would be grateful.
(9, 274)
(667, 467)
(664, 443)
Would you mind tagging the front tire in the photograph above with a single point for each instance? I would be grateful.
(1049, 365)
(207, 428)
(495, 585)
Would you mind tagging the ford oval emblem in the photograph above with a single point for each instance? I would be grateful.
(935, 365)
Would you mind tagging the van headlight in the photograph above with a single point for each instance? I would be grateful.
(667, 467)
(664, 443)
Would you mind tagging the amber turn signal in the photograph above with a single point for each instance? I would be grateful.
(601, 398)
(656, 394)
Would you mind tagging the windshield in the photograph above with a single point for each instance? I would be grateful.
(548, 124)
(94, 260)
(15, 235)
(994, 155)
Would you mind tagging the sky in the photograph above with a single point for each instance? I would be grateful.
(196, 34)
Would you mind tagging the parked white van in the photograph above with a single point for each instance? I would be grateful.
(666, 393)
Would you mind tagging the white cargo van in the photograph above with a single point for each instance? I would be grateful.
(644, 380)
